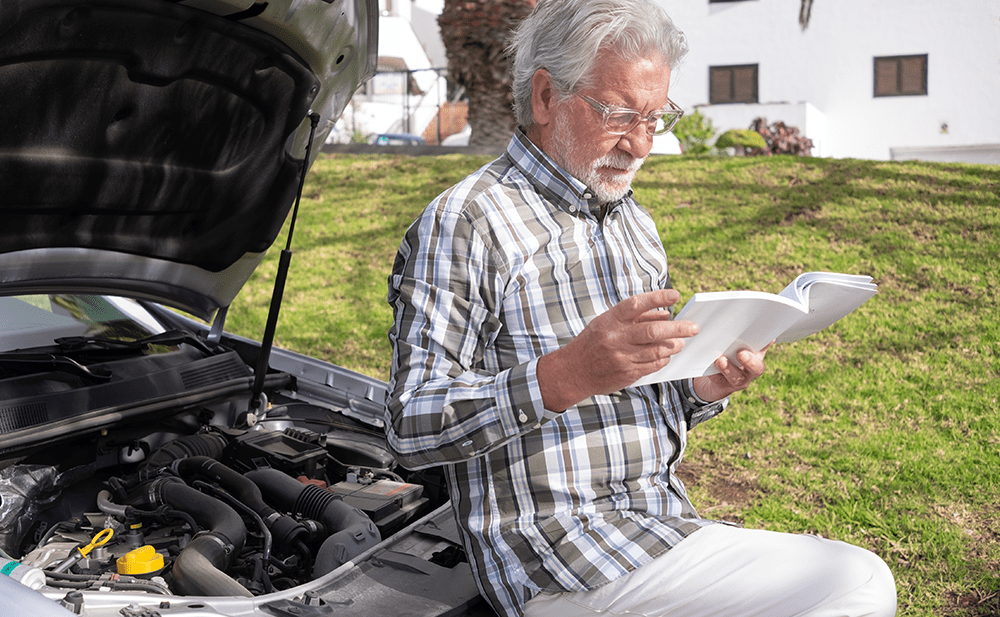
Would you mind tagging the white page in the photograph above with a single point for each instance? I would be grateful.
(798, 289)
(729, 321)
(828, 303)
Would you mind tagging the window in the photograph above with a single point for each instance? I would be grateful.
(901, 75)
(732, 84)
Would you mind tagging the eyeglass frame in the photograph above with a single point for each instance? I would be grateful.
(650, 119)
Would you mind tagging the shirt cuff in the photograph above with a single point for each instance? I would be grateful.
(697, 409)
(691, 397)
(520, 394)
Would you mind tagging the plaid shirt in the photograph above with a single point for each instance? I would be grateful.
(504, 267)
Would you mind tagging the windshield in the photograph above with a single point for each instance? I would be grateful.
(33, 321)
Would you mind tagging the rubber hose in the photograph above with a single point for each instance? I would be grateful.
(354, 531)
(200, 568)
(201, 444)
(284, 529)
(106, 506)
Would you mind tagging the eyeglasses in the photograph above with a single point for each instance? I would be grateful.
(621, 120)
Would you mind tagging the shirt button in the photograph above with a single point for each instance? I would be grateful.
(690, 399)
(588, 196)
(523, 417)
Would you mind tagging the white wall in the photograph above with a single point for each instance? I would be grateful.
(386, 108)
(829, 66)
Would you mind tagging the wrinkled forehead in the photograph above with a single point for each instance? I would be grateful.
(632, 79)
(617, 64)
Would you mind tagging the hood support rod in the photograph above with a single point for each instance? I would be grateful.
(256, 397)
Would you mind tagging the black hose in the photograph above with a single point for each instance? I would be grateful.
(284, 529)
(162, 514)
(353, 534)
(260, 572)
(70, 580)
(51, 532)
(201, 444)
(200, 568)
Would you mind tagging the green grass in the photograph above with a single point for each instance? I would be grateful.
(881, 430)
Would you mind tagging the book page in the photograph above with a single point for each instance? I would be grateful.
(729, 321)
(798, 289)
(830, 297)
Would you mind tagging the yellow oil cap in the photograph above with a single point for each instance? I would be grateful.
(142, 560)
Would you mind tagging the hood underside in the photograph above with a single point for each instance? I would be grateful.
(150, 149)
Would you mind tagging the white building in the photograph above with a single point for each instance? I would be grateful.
(410, 85)
(875, 79)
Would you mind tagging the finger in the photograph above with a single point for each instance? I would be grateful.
(734, 375)
(632, 308)
(662, 332)
(752, 363)
(657, 354)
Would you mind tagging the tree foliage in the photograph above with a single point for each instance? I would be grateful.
(694, 132)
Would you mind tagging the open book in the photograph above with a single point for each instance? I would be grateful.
(733, 320)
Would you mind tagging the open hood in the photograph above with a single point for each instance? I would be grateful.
(153, 149)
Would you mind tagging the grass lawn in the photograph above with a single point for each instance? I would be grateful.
(881, 430)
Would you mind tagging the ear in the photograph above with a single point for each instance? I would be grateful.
(542, 98)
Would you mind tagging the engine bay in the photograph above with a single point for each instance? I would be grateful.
(190, 506)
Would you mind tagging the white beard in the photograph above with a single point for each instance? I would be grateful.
(606, 190)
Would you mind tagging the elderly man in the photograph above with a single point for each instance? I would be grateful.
(527, 300)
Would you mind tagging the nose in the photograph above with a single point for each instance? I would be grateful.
(637, 142)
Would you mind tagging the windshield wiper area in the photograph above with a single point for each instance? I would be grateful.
(28, 363)
(76, 355)
(97, 345)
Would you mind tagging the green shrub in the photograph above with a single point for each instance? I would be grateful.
(694, 132)
(743, 139)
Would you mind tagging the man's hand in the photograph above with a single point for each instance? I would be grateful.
(731, 377)
(632, 339)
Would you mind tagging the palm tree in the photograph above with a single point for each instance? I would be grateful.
(475, 35)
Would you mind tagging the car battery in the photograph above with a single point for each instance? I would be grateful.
(390, 505)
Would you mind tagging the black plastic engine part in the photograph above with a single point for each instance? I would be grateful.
(353, 534)
(389, 504)
(287, 453)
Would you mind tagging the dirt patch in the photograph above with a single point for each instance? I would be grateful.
(976, 604)
(719, 489)
(796, 215)
(983, 529)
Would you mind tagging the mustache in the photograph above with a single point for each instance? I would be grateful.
(623, 162)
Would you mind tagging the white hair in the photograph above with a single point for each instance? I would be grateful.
(564, 37)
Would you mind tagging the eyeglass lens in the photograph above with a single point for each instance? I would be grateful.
(624, 121)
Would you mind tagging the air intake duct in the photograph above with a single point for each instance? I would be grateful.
(353, 532)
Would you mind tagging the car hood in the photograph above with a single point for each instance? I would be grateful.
(153, 150)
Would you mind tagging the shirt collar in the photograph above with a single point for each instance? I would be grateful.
(563, 189)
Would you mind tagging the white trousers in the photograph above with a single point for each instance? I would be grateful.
(725, 571)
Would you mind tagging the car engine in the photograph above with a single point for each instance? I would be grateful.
(193, 507)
